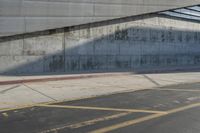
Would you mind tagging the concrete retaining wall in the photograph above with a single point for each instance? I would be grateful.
(132, 44)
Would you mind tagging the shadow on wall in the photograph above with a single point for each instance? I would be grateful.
(101, 47)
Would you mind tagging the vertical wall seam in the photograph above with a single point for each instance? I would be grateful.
(64, 58)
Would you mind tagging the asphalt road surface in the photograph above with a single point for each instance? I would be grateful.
(171, 109)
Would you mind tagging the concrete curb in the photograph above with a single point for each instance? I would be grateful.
(71, 77)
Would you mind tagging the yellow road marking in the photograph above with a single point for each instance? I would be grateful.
(189, 90)
(126, 123)
(16, 108)
(183, 108)
(64, 100)
(14, 104)
(91, 122)
(87, 123)
(101, 108)
(146, 118)
(55, 102)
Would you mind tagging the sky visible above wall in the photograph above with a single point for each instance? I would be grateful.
(192, 13)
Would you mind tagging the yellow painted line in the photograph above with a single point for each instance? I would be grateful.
(189, 90)
(127, 123)
(22, 106)
(143, 119)
(94, 121)
(183, 108)
(101, 108)
(17, 106)
(87, 123)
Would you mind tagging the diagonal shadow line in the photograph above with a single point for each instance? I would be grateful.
(151, 80)
(39, 92)
(8, 89)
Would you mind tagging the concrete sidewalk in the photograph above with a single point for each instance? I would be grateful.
(64, 88)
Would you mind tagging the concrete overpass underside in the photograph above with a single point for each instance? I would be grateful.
(138, 43)
(22, 16)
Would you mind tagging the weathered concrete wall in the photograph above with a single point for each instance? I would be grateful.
(22, 16)
(132, 44)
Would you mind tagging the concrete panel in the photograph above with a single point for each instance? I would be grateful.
(87, 63)
(21, 64)
(150, 48)
(79, 47)
(135, 61)
(106, 48)
(44, 44)
(123, 62)
(111, 62)
(133, 48)
(100, 62)
(54, 63)
(72, 63)
(78, 41)
(14, 47)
